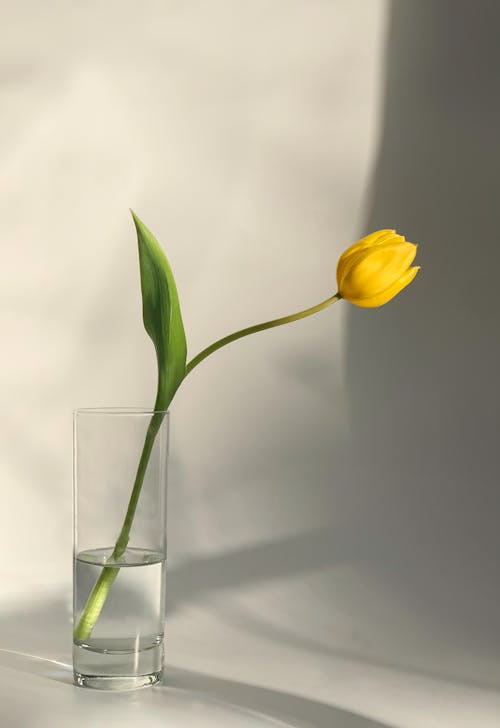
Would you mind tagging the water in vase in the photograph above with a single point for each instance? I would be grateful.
(127, 638)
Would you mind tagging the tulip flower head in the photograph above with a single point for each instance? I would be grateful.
(376, 268)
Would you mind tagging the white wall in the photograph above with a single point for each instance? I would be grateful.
(243, 135)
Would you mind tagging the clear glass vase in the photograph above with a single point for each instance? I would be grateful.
(120, 489)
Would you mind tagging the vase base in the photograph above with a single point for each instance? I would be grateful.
(121, 682)
(118, 663)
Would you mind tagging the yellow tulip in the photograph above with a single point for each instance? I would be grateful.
(376, 268)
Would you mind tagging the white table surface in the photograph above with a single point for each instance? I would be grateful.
(220, 674)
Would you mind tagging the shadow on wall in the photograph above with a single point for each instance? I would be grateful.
(423, 371)
(409, 563)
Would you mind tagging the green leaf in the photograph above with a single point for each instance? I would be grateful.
(161, 314)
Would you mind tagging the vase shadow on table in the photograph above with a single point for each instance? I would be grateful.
(48, 633)
(290, 709)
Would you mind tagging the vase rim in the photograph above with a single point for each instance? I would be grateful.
(141, 411)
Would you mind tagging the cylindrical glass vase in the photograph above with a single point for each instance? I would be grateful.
(120, 496)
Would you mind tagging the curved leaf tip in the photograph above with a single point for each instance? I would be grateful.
(161, 314)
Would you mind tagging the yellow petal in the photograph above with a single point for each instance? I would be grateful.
(390, 292)
(369, 241)
(372, 271)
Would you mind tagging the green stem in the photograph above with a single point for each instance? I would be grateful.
(123, 538)
(99, 593)
(259, 327)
